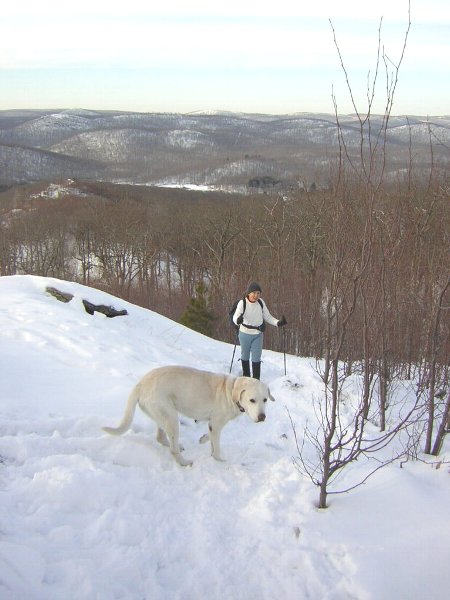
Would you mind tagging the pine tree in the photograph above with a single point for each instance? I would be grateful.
(197, 316)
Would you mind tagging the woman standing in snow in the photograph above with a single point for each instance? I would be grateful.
(250, 316)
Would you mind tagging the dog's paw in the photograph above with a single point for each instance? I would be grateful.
(204, 438)
(182, 461)
(218, 458)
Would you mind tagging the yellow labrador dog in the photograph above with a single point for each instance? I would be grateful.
(166, 392)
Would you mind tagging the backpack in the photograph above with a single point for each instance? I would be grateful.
(233, 310)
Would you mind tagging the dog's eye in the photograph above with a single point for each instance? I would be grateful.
(252, 400)
(265, 399)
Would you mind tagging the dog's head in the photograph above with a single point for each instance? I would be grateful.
(250, 396)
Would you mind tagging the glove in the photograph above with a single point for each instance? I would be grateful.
(282, 322)
(240, 319)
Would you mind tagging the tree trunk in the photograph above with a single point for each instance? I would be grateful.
(442, 428)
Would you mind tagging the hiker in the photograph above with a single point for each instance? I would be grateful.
(250, 316)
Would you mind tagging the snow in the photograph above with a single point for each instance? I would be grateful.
(88, 516)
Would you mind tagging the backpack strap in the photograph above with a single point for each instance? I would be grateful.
(244, 302)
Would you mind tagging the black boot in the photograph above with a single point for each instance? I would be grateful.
(245, 368)
(256, 368)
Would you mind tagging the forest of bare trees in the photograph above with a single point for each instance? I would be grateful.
(379, 258)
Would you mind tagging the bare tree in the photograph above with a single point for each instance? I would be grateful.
(434, 382)
(352, 299)
(339, 441)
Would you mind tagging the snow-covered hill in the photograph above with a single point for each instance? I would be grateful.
(152, 147)
(87, 516)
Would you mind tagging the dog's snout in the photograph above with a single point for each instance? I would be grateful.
(261, 417)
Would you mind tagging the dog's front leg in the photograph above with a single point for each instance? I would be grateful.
(214, 436)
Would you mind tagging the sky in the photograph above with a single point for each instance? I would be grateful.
(88, 515)
(244, 56)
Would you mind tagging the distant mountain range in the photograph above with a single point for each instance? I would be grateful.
(233, 152)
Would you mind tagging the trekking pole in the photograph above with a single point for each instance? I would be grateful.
(284, 350)
(232, 358)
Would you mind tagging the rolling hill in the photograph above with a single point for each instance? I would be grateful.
(219, 150)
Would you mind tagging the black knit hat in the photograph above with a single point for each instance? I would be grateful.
(254, 287)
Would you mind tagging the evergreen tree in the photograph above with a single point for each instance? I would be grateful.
(197, 316)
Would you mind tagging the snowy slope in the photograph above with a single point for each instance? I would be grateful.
(87, 516)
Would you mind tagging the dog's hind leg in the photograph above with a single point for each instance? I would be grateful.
(172, 431)
(161, 437)
(168, 431)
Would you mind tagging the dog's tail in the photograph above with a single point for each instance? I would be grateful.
(133, 399)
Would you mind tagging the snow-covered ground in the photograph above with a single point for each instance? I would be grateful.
(88, 516)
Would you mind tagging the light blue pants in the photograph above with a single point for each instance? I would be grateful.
(251, 345)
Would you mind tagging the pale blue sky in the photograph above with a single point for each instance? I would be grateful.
(182, 55)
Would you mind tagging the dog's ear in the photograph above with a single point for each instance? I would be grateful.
(271, 397)
(238, 389)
